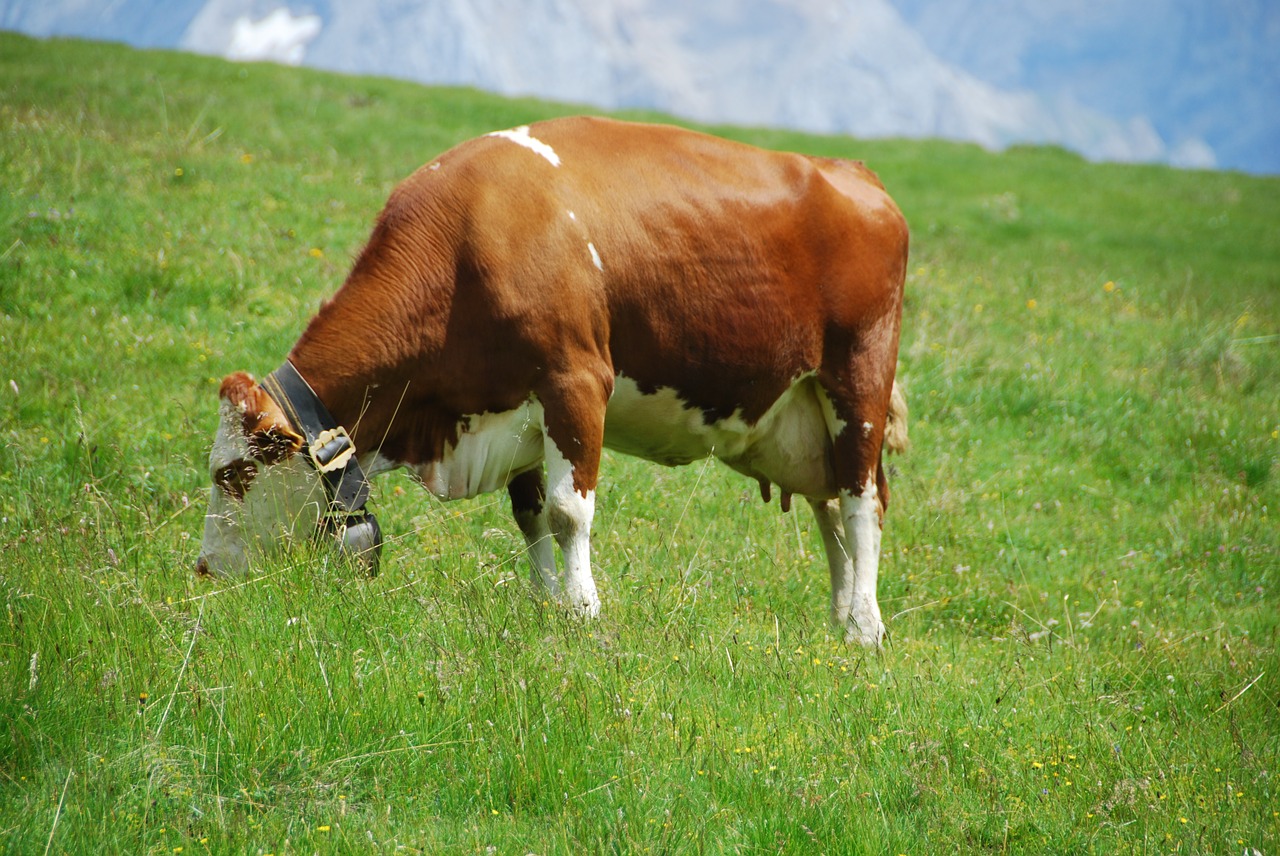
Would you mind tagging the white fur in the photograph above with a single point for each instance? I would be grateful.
(827, 513)
(835, 425)
(850, 528)
(491, 449)
(541, 544)
(282, 501)
(788, 446)
(853, 601)
(520, 136)
(569, 515)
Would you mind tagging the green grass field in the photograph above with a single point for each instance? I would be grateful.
(1082, 561)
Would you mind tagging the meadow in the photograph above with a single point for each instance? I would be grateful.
(1081, 572)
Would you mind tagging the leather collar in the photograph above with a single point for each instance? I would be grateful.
(328, 446)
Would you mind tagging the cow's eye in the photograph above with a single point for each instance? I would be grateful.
(234, 479)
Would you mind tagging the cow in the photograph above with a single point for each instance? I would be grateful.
(535, 295)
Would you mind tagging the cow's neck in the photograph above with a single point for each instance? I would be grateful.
(375, 352)
(367, 362)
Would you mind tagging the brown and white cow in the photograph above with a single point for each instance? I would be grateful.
(535, 295)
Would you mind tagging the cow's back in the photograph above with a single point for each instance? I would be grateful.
(699, 264)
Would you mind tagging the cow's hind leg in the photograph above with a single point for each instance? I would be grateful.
(857, 425)
(860, 514)
(573, 417)
(830, 525)
(528, 493)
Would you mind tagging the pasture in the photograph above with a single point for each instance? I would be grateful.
(1081, 572)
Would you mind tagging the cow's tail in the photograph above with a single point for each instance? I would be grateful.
(895, 426)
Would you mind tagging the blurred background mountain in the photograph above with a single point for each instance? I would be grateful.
(1194, 83)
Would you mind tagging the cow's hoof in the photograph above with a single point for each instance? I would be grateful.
(582, 603)
(866, 629)
(872, 641)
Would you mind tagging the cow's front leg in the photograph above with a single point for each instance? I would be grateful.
(528, 493)
(569, 513)
(573, 431)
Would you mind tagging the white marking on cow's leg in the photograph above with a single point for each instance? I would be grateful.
(853, 602)
(569, 514)
(529, 507)
(827, 513)
(520, 136)
(542, 555)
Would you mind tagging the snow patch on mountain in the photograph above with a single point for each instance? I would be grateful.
(279, 37)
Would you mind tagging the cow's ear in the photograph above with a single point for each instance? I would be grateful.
(240, 390)
(270, 436)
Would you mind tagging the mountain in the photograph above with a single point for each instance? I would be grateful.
(1190, 82)
(1200, 71)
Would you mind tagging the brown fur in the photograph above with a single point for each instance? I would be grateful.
(271, 438)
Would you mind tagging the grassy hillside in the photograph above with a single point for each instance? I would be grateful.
(1082, 563)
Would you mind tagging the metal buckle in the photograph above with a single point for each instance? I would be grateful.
(332, 449)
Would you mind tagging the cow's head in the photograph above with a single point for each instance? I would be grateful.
(268, 487)
(264, 491)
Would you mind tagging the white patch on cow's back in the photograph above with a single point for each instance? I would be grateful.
(491, 449)
(520, 136)
(595, 256)
(789, 445)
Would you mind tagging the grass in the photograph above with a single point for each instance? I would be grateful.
(1082, 560)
